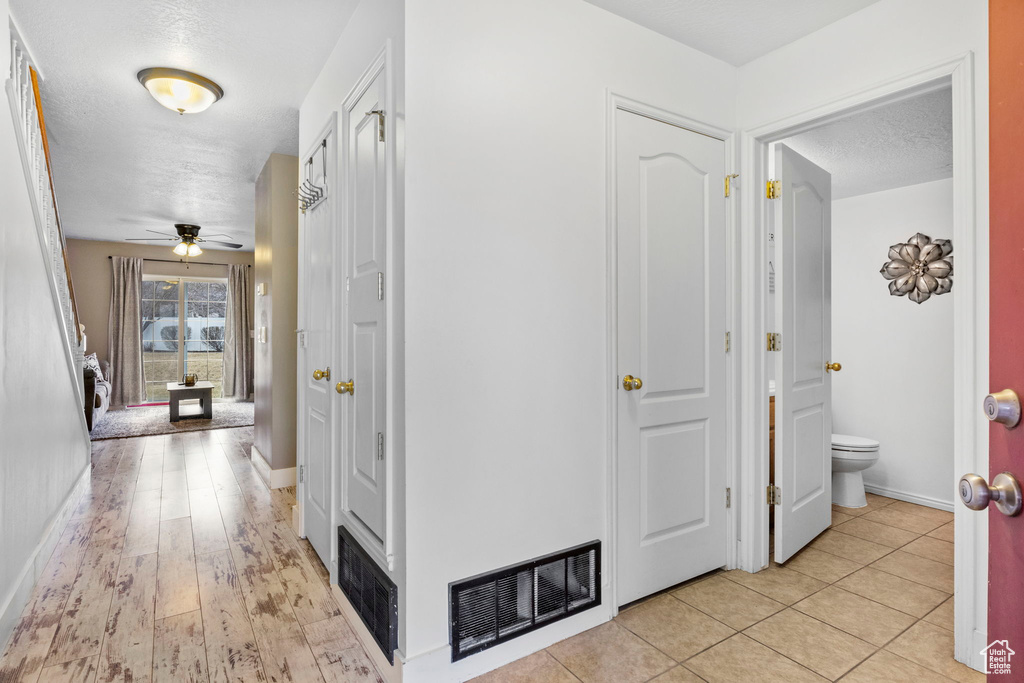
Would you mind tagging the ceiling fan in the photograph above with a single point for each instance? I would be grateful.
(188, 239)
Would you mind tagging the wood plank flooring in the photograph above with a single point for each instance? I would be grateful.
(180, 565)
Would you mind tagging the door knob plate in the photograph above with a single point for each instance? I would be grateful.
(1009, 502)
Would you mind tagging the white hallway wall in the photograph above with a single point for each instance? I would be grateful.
(897, 381)
(43, 443)
(507, 379)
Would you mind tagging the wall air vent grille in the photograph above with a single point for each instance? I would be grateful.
(494, 607)
(373, 595)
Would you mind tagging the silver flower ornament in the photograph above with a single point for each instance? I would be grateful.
(919, 268)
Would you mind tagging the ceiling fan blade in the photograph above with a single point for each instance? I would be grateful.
(218, 234)
(150, 239)
(226, 244)
(165, 234)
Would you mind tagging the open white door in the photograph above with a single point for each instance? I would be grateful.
(803, 395)
(318, 313)
(364, 447)
(670, 225)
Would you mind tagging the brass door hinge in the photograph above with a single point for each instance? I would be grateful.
(728, 182)
(379, 113)
(728, 497)
(728, 343)
(773, 495)
(774, 341)
(773, 189)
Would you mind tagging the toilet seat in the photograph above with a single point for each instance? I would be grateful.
(853, 444)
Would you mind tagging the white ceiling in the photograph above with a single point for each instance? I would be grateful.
(735, 31)
(123, 163)
(895, 145)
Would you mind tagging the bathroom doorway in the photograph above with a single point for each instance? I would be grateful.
(888, 374)
(965, 366)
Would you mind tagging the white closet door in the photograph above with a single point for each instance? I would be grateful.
(671, 336)
(803, 396)
(318, 248)
(364, 449)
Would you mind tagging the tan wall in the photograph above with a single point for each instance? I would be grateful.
(90, 270)
(277, 242)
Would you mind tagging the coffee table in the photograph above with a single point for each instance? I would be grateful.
(201, 390)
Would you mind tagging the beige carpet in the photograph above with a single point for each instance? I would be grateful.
(151, 420)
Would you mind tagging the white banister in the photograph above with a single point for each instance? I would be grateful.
(22, 99)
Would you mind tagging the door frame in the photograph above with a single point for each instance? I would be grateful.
(615, 103)
(970, 343)
(301, 368)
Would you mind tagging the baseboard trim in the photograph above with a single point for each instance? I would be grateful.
(392, 673)
(436, 666)
(14, 602)
(910, 497)
(275, 479)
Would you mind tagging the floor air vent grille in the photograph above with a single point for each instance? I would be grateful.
(494, 607)
(373, 595)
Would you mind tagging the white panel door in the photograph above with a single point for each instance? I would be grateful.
(364, 410)
(803, 396)
(671, 335)
(318, 304)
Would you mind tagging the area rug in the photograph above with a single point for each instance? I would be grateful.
(150, 420)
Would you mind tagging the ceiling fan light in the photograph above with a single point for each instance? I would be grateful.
(194, 250)
(181, 249)
(180, 91)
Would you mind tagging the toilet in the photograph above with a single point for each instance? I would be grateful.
(851, 455)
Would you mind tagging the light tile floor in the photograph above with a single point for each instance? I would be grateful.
(870, 599)
(180, 565)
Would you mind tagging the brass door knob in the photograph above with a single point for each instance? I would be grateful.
(1004, 492)
(322, 374)
(348, 387)
(833, 366)
(629, 383)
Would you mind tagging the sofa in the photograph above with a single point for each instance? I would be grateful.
(97, 393)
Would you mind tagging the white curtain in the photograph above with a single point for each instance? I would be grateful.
(128, 384)
(238, 347)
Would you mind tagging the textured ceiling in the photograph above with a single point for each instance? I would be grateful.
(123, 163)
(735, 31)
(903, 143)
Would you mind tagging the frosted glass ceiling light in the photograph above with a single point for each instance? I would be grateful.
(194, 250)
(180, 91)
(181, 249)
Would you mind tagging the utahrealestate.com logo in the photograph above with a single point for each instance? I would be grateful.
(997, 657)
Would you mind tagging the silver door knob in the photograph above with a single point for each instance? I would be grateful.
(1003, 407)
(1004, 492)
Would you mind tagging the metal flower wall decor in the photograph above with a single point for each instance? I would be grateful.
(919, 268)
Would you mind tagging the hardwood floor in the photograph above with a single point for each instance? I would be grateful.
(181, 565)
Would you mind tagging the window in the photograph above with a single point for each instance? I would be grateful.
(182, 331)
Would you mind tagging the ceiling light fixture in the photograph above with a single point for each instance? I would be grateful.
(180, 91)
(187, 246)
